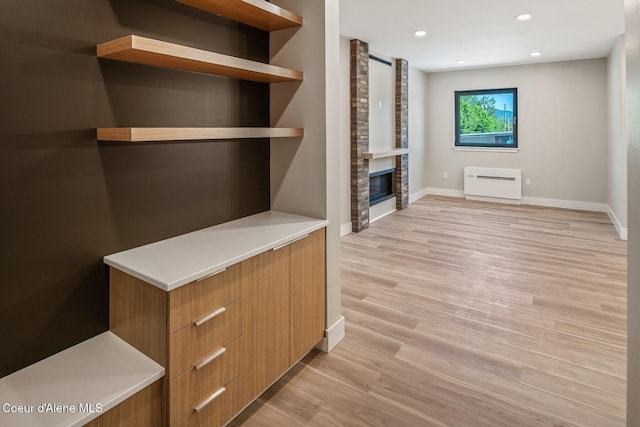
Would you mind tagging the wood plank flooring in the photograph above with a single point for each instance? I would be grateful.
(467, 314)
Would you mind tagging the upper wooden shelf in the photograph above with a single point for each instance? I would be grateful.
(256, 13)
(382, 155)
(147, 51)
(192, 134)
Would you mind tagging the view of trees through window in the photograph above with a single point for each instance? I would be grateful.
(486, 118)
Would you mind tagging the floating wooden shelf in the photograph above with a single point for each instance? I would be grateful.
(192, 134)
(382, 155)
(147, 51)
(256, 13)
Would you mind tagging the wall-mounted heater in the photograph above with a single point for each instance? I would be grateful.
(493, 184)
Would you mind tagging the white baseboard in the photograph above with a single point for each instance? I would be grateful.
(372, 220)
(345, 229)
(494, 200)
(445, 192)
(536, 201)
(332, 336)
(418, 195)
(622, 231)
(566, 204)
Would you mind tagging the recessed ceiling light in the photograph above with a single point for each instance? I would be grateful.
(464, 46)
(524, 17)
(536, 53)
(420, 33)
(460, 61)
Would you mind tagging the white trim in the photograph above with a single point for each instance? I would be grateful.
(445, 192)
(488, 149)
(371, 221)
(418, 195)
(494, 199)
(566, 204)
(382, 209)
(345, 229)
(622, 231)
(332, 336)
(536, 201)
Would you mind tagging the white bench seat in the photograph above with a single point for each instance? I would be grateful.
(81, 382)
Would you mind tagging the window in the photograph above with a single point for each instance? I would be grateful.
(487, 118)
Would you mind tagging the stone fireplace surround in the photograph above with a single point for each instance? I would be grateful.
(359, 77)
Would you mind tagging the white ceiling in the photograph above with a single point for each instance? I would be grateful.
(560, 29)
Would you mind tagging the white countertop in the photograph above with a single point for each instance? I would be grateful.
(102, 371)
(171, 263)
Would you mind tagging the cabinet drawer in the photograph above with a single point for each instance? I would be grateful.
(225, 403)
(191, 345)
(195, 385)
(196, 300)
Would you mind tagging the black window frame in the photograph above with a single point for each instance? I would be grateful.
(459, 93)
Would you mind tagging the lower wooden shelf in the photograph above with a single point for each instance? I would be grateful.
(143, 134)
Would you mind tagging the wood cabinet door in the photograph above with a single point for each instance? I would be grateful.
(265, 328)
(307, 294)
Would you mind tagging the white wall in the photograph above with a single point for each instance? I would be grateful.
(382, 131)
(345, 135)
(334, 319)
(418, 178)
(632, 42)
(382, 110)
(617, 137)
(304, 172)
(562, 130)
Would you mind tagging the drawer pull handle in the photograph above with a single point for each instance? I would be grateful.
(211, 358)
(215, 273)
(208, 317)
(210, 399)
(290, 242)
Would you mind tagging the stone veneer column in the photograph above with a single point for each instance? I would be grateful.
(359, 135)
(402, 133)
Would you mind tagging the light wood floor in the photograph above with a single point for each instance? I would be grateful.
(469, 314)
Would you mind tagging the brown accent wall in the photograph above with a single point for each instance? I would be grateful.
(68, 200)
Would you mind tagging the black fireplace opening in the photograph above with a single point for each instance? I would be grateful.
(382, 186)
